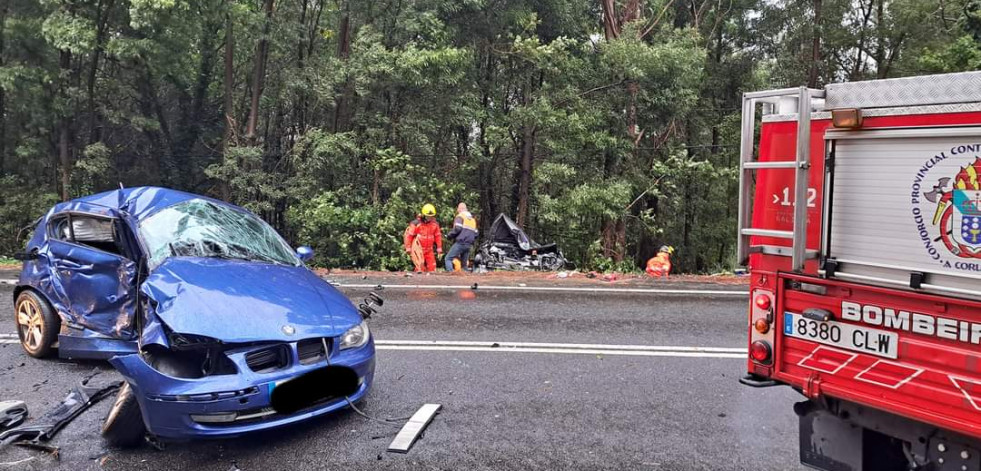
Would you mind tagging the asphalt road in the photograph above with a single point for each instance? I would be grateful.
(502, 409)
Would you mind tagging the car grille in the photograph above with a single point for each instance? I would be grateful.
(311, 350)
(268, 359)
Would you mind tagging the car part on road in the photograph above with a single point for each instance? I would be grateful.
(413, 428)
(37, 324)
(124, 427)
(44, 429)
(12, 414)
(367, 307)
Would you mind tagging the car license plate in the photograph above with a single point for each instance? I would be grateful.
(838, 334)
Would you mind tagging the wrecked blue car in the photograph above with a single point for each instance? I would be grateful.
(214, 322)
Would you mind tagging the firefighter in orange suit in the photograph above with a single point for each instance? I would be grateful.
(660, 265)
(412, 245)
(426, 234)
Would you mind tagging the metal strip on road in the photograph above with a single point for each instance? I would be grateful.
(561, 348)
(552, 288)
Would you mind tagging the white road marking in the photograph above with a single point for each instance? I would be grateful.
(8, 336)
(9, 281)
(552, 288)
(587, 346)
(563, 348)
(9, 341)
(741, 356)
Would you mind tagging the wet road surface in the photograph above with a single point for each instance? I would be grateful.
(545, 408)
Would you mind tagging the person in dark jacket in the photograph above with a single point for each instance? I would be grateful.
(463, 235)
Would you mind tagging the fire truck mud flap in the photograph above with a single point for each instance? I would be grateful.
(841, 436)
(826, 441)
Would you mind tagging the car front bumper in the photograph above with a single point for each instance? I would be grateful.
(181, 409)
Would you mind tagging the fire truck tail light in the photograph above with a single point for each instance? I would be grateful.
(761, 326)
(763, 302)
(847, 118)
(760, 351)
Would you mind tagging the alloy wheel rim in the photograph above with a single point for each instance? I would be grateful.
(29, 322)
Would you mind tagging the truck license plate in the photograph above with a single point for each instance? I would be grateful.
(850, 337)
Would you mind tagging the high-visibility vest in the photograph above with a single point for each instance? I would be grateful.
(468, 220)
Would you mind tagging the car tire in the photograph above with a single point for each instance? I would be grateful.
(124, 427)
(37, 324)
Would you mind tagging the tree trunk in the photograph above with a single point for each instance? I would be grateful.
(262, 53)
(228, 106)
(229, 85)
(343, 51)
(64, 129)
(190, 127)
(880, 43)
(858, 67)
(3, 97)
(614, 231)
(611, 24)
(102, 21)
(524, 173)
(812, 79)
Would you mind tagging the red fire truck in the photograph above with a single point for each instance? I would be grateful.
(860, 222)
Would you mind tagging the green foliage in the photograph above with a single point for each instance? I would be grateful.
(91, 169)
(20, 206)
(346, 233)
(610, 147)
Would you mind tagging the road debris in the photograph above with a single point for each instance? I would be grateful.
(44, 429)
(12, 414)
(413, 428)
(52, 450)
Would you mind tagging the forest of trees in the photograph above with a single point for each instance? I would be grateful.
(608, 126)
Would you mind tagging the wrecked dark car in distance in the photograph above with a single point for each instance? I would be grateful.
(215, 323)
(508, 248)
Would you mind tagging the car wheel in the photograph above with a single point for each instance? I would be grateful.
(37, 324)
(124, 426)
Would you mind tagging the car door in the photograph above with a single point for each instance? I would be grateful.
(93, 272)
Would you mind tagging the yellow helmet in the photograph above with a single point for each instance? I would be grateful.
(428, 210)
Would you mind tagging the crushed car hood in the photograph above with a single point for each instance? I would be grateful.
(240, 301)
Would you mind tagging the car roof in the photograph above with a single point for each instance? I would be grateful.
(139, 202)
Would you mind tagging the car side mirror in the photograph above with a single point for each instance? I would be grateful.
(304, 252)
(25, 256)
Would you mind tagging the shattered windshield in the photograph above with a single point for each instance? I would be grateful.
(199, 228)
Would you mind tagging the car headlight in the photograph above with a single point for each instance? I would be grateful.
(356, 336)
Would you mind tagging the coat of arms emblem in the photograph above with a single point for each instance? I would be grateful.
(958, 212)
